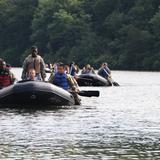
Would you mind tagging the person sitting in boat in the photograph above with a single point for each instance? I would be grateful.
(65, 81)
(104, 71)
(32, 75)
(7, 78)
(88, 69)
(34, 61)
(73, 69)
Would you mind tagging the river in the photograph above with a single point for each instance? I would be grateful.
(122, 124)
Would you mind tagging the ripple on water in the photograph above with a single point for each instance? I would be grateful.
(122, 124)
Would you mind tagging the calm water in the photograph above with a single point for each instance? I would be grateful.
(122, 124)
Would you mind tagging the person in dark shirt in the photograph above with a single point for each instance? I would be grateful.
(104, 71)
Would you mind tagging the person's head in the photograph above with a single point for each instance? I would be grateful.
(72, 63)
(88, 66)
(2, 63)
(34, 51)
(61, 68)
(104, 64)
(32, 73)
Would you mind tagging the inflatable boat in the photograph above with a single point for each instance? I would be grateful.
(36, 93)
(92, 80)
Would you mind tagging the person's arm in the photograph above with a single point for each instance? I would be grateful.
(109, 71)
(77, 69)
(73, 83)
(51, 78)
(42, 69)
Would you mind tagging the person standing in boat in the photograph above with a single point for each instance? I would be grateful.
(104, 71)
(7, 78)
(36, 62)
(88, 70)
(65, 81)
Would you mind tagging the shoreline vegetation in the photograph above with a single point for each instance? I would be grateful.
(113, 70)
(123, 33)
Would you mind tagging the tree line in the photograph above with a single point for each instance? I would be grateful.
(124, 33)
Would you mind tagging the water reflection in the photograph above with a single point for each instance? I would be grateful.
(123, 124)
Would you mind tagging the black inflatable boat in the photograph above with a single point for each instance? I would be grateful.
(92, 80)
(36, 93)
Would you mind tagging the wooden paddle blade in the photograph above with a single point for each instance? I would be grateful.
(89, 93)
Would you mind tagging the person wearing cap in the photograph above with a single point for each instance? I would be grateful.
(104, 71)
(7, 78)
(65, 81)
(36, 62)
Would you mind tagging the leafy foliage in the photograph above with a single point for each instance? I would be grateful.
(124, 33)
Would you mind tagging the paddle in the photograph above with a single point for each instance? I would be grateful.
(110, 79)
(89, 93)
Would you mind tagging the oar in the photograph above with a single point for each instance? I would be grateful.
(110, 79)
(112, 82)
(115, 83)
(89, 93)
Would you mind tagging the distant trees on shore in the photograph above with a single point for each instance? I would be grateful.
(124, 33)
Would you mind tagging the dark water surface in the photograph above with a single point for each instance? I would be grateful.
(122, 124)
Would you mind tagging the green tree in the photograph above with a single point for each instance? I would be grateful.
(15, 28)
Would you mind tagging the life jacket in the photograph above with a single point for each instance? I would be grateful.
(61, 81)
(5, 78)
